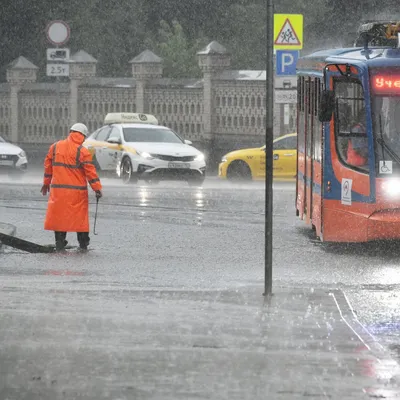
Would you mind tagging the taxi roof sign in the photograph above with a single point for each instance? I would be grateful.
(130, 118)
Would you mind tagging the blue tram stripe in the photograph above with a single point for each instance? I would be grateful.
(316, 187)
(335, 193)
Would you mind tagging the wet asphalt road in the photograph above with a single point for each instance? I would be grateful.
(176, 238)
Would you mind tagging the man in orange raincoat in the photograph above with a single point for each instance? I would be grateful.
(67, 169)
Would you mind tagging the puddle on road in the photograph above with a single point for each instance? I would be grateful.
(193, 209)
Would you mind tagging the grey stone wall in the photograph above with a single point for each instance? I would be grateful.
(223, 111)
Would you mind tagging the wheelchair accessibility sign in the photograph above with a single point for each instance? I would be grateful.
(385, 167)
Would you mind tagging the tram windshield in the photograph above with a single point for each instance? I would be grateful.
(385, 86)
(386, 124)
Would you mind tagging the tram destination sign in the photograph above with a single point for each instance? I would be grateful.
(386, 83)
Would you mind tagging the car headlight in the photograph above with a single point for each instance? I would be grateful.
(224, 159)
(200, 157)
(145, 155)
(22, 154)
(392, 187)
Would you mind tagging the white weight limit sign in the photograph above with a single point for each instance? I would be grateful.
(58, 32)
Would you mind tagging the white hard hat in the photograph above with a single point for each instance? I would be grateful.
(82, 128)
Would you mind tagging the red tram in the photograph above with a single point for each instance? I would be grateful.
(348, 151)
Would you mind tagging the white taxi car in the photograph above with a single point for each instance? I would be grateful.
(12, 157)
(136, 147)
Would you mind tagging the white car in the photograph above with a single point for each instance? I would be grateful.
(136, 147)
(12, 157)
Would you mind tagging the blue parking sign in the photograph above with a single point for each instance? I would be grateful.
(286, 61)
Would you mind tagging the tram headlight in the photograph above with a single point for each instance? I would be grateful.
(392, 187)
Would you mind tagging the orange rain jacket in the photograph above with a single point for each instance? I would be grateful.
(67, 168)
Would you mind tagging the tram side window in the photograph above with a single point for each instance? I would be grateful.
(308, 113)
(350, 124)
(317, 135)
(300, 81)
(301, 115)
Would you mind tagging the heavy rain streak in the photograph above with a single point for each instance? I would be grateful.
(199, 199)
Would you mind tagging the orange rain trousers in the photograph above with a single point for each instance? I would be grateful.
(67, 169)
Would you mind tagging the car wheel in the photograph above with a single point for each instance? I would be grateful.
(239, 171)
(127, 173)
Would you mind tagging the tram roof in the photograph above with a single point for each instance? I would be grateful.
(378, 57)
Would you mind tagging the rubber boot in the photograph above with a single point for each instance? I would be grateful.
(61, 243)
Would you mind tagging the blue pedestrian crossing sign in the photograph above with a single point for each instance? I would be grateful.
(286, 61)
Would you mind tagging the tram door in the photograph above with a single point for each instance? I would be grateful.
(347, 181)
(309, 163)
(309, 148)
(302, 128)
(316, 154)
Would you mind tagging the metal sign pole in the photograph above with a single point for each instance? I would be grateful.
(269, 133)
(57, 110)
(58, 33)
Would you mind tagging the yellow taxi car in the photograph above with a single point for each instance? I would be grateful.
(247, 164)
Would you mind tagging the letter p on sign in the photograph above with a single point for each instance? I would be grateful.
(286, 61)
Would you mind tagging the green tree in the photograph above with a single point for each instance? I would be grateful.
(112, 31)
(22, 32)
(239, 25)
(244, 34)
(177, 51)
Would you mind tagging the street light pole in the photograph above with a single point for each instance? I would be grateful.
(269, 137)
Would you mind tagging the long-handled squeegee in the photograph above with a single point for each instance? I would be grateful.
(24, 245)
